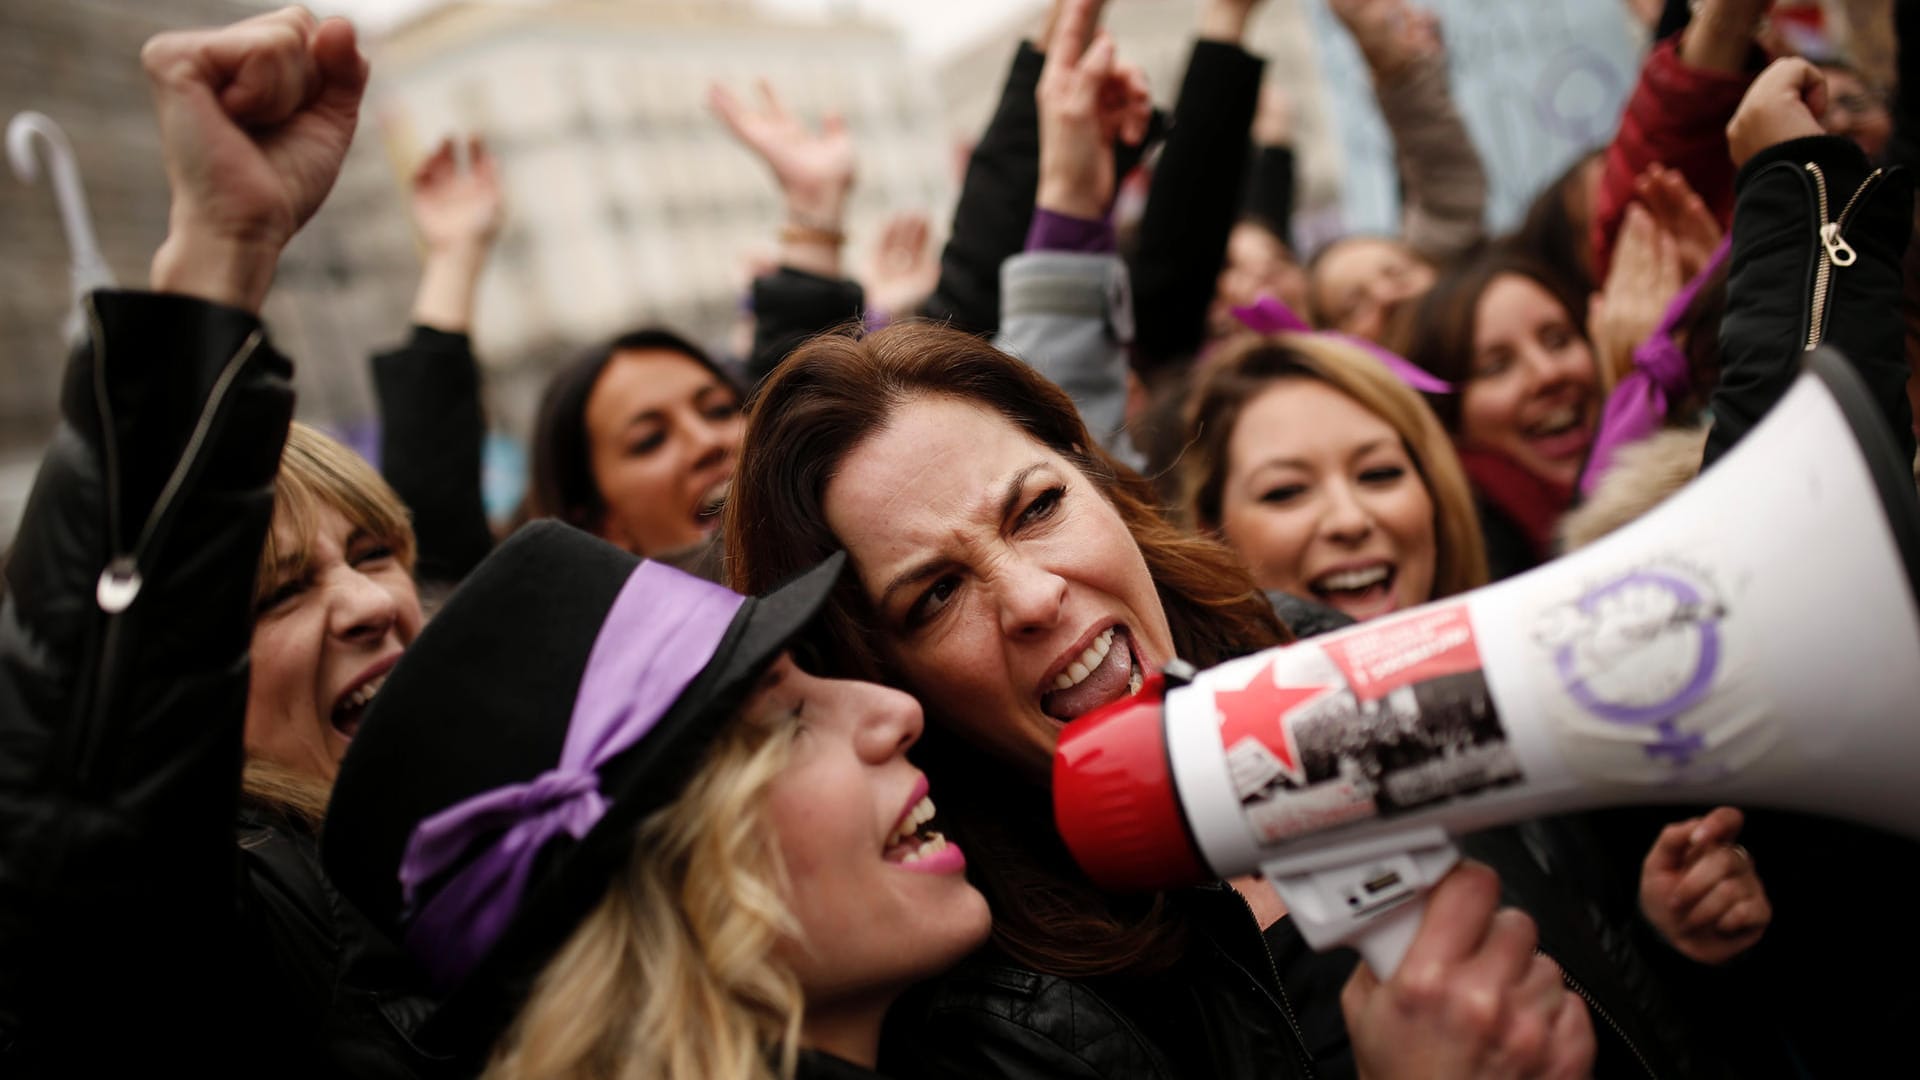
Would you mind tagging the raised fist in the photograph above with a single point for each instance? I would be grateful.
(255, 120)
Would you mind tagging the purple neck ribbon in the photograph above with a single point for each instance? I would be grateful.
(663, 628)
(1638, 405)
(1270, 315)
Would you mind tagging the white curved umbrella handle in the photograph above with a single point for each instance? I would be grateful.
(89, 270)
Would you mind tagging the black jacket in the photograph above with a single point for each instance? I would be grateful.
(135, 932)
(1222, 1012)
(1193, 202)
(1784, 294)
(432, 431)
(1841, 1000)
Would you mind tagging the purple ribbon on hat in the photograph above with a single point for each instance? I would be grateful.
(1270, 315)
(662, 629)
(1638, 405)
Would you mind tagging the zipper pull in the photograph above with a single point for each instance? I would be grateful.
(119, 583)
(1839, 252)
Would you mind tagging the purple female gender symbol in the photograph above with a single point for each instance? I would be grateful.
(1662, 714)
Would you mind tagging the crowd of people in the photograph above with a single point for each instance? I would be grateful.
(305, 769)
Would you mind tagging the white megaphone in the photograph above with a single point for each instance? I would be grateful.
(1697, 656)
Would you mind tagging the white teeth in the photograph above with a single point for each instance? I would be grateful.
(1557, 422)
(921, 813)
(364, 694)
(1078, 671)
(934, 844)
(1349, 580)
(1135, 681)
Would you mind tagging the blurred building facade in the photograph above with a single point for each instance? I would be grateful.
(628, 201)
(78, 61)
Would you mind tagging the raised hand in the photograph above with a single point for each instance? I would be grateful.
(1226, 20)
(1721, 34)
(255, 121)
(1390, 33)
(453, 208)
(457, 213)
(1087, 98)
(1644, 279)
(903, 267)
(1786, 101)
(1472, 998)
(815, 169)
(1273, 120)
(1680, 212)
(1700, 890)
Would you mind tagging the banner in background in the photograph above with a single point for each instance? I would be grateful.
(1540, 82)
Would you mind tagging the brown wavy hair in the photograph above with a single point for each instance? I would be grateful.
(1249, 365)
(832, 395)
(1437, 333)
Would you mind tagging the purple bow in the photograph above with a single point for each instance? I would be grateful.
(1270, 315)
(662, 629)
(1638, 405)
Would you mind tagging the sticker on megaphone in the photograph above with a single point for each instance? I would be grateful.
(1386, 718)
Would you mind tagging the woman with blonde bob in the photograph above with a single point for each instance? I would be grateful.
(1330, 477)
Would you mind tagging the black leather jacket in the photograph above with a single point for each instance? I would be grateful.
(135, 932)
(1222, 1012)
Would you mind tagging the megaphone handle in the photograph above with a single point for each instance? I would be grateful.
(1384, 944)
(1372, 902)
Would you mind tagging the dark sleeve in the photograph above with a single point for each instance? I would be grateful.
(987, 1022)
(432, 430)
(996, 204)
(790, 306)
(1313, 981)
(120, 730)
(1674, 17)
(1270, 189)
(1509, 552)
(1193, 201)
(1773, 281)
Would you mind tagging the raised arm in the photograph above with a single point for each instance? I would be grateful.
(1195, 194)
(125, 628)
(1808, 202)
(1677, 116)
(1065, 301)
(1443, 185)
(431, 421)
(815, 170)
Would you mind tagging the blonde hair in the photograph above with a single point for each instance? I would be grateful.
(317, 471)
(674, 975)
(1249, 365)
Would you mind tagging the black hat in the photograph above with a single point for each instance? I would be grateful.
(565, 690)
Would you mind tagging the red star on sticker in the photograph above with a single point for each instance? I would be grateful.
(1259, 712)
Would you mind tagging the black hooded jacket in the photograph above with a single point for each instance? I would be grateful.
(146, 920)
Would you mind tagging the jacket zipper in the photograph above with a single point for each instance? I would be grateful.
(1280, 988)
(1593, 1006)
(119, 584)
(1835, 252)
